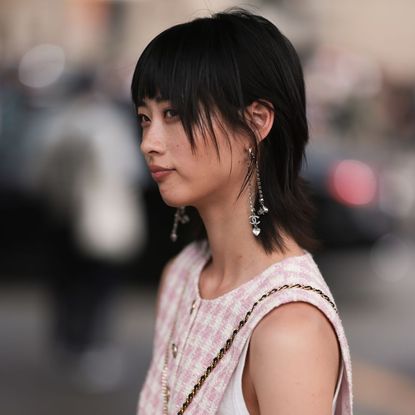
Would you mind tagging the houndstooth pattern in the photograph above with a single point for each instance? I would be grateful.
(201, 333)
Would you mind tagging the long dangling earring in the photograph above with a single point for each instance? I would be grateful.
(179, 217)
(263, 209)
(254, 218)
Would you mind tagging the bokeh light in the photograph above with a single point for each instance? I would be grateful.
(352, 182)
(41, 66)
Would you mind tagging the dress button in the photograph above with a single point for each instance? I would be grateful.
(193, 306)
(174, 349)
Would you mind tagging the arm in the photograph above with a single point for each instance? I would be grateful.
(294, 361)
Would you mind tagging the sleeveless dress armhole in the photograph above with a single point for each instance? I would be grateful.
(233, 402)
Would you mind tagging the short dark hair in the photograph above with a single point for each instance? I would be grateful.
(223, 63)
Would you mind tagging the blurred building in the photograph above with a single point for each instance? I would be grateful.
(97, 31)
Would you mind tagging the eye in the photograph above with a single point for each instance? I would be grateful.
(143, 119)
(171, 113)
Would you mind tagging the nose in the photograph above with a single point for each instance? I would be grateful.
(152, 140)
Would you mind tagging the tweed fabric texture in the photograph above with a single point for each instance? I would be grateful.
(200, 333)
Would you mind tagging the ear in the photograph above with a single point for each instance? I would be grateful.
(260, 115)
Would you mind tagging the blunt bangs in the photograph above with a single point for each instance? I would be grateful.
(193, 66)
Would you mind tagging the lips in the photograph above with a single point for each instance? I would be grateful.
(159, 172)
(154, 168)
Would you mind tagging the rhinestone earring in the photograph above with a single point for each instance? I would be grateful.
(254, 218)
(179, 217)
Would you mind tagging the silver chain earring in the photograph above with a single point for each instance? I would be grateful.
(179, 217)
(263, 209)
(254, 218)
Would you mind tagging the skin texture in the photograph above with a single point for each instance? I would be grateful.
(293, 362)
(293, 358)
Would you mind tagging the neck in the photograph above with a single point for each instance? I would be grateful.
(237, 256)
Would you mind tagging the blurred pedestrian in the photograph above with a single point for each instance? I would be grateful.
(88, 171)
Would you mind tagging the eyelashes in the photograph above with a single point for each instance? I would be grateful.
(173, 111)
(142, 118)
(168, 114)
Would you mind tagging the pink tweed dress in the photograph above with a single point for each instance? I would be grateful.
(204, 325)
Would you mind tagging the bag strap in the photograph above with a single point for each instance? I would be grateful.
(242, 323)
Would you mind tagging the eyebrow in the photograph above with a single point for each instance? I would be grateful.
(158, 99)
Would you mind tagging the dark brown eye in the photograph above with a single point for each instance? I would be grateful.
(143, 119)
(171, 113)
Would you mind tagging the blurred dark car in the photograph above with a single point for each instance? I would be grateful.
(346, 189)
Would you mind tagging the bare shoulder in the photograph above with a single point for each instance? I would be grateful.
(294, 318)
(294, 352)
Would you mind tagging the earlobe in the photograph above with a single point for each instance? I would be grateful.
(260, 115)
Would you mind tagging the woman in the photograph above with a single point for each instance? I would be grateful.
(245, 321)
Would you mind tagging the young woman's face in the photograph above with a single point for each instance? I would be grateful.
(187, 178)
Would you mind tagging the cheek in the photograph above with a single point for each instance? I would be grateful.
(201, 174)
(214, 175)
(196, 178)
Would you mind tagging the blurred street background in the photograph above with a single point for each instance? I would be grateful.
(84, 234)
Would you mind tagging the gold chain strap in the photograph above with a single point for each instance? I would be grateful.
(230, 340)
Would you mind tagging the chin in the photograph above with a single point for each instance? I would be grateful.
(175, 201)
(180, 195)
